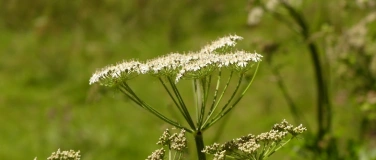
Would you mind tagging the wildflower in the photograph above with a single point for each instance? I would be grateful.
(198, 66)
(67, 155)
(157, 155)
(283, 126)
(249, 147)
(179, 142)
(167, 65)
(221, 43)
(201, 66)
(212, 149)
(204, 64)
(187, 66)
(298, 130)
(164, 140)
(239, 60)
(230, 145)
(111, 75)
(220, 155)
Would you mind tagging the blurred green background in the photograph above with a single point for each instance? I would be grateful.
(50, 48)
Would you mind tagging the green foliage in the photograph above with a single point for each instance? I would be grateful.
(49, 48)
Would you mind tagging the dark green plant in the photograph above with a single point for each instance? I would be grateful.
(328, 46)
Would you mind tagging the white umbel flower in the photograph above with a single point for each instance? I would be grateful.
(168, 64)
(181, 66)
(121, 71)
(249, 147)
(200, 65)
(239, 60)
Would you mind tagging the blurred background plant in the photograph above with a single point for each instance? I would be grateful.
(342, 61)
(49, 48)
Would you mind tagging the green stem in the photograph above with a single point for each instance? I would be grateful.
(199, 145)
(126, 90)
(276, 149)
(182, 104)
(173, 99)
(223, 113)
(205, 83)
(169, 154)
(197, 96)
(324, 108)
(215, 92)
(216, 103)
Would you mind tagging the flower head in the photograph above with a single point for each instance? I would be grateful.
(179, 142)
(199, 66)
(68, 155)
(220, 155)
(221, 43)
(157, 155)
(181, 66)
(212, 149)
(239, 60)
(111, 75)
(164, 140)
(167, 65)
(249, 147)
(272, 135)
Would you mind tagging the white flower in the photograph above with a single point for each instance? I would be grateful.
(190, 65)
(124, 70)
(249, 147)
(200, 65)
(239, 60)
(157, 155)
(220, 155)
(168, 64)
(228, 41)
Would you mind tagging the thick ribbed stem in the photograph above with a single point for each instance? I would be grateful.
(199, 145)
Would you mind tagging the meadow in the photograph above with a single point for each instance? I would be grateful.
(50, 49)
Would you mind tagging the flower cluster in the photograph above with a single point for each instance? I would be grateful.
(286, 127)
(221, 43)
(157, 155)
(176, 142)
(65, 155)
(191, 65)
(248, 147)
